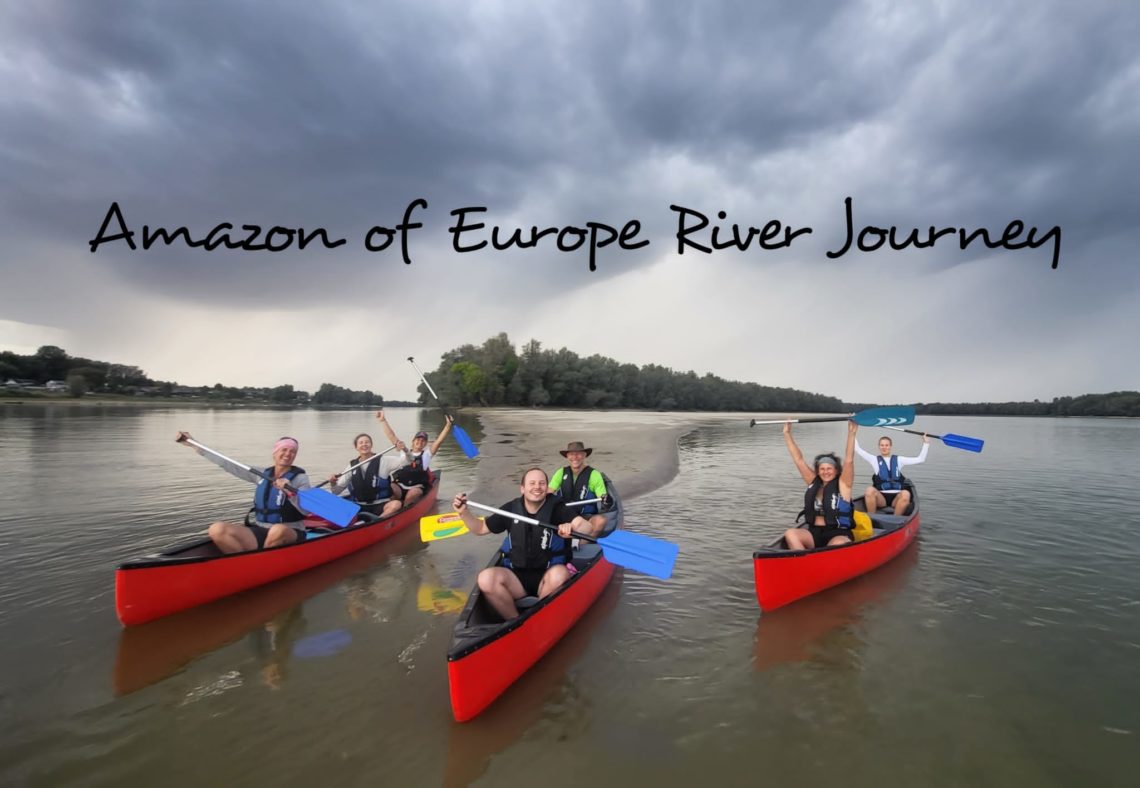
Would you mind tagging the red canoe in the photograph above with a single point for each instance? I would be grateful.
(783, 576)
(194, 573)
(488, 655)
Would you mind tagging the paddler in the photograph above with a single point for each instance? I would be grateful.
(537, 560)
(277, 519)
(888, 485)
(412, 480)
(827, 501)
(368, 477)
(579, 482)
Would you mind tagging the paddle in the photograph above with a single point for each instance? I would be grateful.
(352, 468)
(957, 441)
(461, 436)
(439, 601)
(444, 526)
(654, 557)
(872, 417)
(322, 503)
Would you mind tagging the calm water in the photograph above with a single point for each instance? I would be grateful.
(1000, 650)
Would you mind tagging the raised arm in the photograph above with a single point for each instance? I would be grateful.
(447, 420)
(847, 478)
(473, 523)
(805, 470)
(384, 425)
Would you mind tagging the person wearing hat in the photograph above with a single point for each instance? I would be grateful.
(827, 501)
(410, 481)
(579, 482)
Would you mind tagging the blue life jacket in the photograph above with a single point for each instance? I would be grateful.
(578, 490)
(888, 479)
(271, 505)
(366, 485)
(529, 546)
(837, 510)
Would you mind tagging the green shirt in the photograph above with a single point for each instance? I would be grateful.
(597, 485)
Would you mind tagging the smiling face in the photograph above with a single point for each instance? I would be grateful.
(826, 471)
(284, 456)
(577, 460)
(363, 445)
(418, 443)
(885, 445)
(533, 486)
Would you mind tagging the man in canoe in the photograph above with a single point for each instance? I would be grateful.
(537, 559)
(579, 482)
(277, 519)
(888, 485)
(412, 480)
(827, 501)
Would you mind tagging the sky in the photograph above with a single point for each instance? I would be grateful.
(340, 114)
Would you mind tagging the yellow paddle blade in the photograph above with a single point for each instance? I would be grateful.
(440, 601)
(441, 526)
(863, 528)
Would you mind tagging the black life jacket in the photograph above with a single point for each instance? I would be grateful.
(530, 546)
(271, 505)
(413, 473)
(365, 484)
(578, 489)
(888, 479)
(837, 511)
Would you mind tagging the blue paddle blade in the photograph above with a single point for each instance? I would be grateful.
(963, 442)
(654, 557)
(884, 417)
(464, 441)
(323, 503)
(323, 645)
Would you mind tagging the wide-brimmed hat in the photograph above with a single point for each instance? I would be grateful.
(576, 446)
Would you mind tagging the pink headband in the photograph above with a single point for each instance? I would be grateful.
(285, 443)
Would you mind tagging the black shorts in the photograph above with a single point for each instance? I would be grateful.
(374, 508)
(530, 578)
(823, 534)
(261, 533)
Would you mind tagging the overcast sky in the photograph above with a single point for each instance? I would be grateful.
(337, 115)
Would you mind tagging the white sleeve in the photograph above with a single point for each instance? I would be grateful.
(915, 460)
(341, 483)
(427, 458)
(867, 456)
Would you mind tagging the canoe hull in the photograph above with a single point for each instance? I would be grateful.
(783, 576)
(479, 672)
(193, 574)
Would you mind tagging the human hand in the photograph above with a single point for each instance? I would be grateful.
(280, 484)
(459, 503)
(565, 529)
(401, 446)
(333, 478)
(787, 428)
(852, 427)
(450, 418)
(925, 438)
(182, 437)
(380, 415)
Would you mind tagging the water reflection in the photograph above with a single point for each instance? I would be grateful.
(153, 651)
(800, 631)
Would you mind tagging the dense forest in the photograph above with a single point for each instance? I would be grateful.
(495, 373)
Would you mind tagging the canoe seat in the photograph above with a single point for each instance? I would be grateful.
(526, 602)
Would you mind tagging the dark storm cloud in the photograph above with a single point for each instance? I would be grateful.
(339, 114)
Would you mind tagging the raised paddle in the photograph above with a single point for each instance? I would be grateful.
(950, 439)
(654, 557)
(872, 417)
(449, 524)
(337, 510)
(352, 468)
(461, 436)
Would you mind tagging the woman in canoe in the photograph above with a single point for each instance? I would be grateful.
(368, 477)
(411, 481)
(827, 502)
(276, 519)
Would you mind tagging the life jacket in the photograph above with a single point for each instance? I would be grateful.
(837, 511)
(888, 479)
(578, 489)
(366, 485)
(271, 505)
(529, 546)
(413, 473)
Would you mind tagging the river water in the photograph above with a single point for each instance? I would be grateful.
(1001, 649)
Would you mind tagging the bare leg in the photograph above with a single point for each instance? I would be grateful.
(901, 502)
(553, 579)
(874, 500)
(232, 538)
(501, 588)
(280, 534)
(838, 540)
(412, 495)
(799, 539)
(390, 508)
